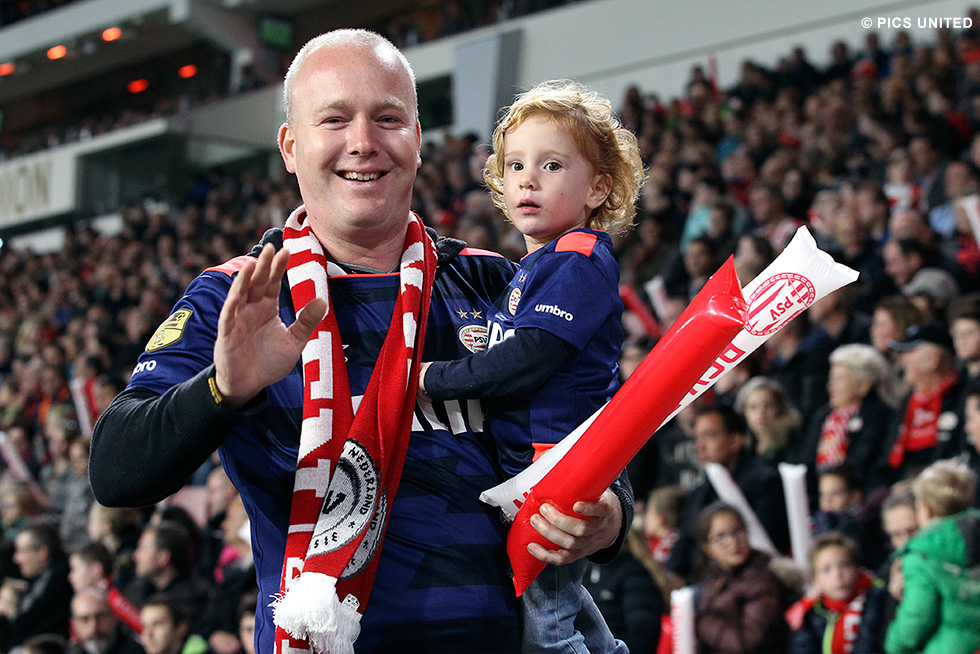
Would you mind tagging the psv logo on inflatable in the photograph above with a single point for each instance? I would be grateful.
(778, 300)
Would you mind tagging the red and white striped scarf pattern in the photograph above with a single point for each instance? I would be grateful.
(348, 466)
(834, 442)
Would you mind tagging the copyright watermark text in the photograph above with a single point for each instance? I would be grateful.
(904, 22)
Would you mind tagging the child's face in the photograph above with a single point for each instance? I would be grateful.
(834, 573)
(549, 186)
(728, 541)
(835, 496)
(653, 525)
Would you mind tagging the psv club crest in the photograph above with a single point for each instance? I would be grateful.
(513, 301)
(778, 300)
(352, 502)
(474, 337)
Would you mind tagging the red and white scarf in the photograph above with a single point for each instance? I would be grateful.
(920, 428)
(348, 466)
(834, 441)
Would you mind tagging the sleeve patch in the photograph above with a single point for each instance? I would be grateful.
(539, 449)
(581, 242)
(170, 330)
(480, 253)
(231, 266)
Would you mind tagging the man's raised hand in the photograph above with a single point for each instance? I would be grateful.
(254, 348)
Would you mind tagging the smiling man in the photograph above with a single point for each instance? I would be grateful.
(257, 368)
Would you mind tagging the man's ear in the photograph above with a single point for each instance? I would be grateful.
(418, 141)
(287, 147)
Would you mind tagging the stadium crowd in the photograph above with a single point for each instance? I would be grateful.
(405, 26)
(874, 153)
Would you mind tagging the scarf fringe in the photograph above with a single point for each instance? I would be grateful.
(310, 610)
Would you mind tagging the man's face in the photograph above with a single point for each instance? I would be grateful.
(966, 339)
(354, 140)
(220, 492)
(160, 635)
(146, 556)
(246, 633)
(920, 363)
(761, 205)
(713, 443)
(84, 574)
(899, 266)
(900, 525)
(93, 623)
(971, 425)
(29, 556)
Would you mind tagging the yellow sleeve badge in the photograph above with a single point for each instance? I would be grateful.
(170, 330)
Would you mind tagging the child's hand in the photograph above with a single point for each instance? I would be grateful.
(422, 369)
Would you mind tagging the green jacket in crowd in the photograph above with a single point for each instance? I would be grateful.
(940, 611)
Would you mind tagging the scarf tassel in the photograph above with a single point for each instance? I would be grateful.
(310, 610)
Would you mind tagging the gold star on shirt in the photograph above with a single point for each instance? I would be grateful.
(523, 277)
(461, 313)
(476, 314)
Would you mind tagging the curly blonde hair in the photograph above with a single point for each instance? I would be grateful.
(604, 142)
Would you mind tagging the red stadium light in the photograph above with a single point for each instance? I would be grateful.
(137, 86)
(190, 70)
(7, 68)
(57, 52)
(111, 34)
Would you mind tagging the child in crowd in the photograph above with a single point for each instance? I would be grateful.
(564, 171)
(839, 498)
(741, 601)
(843, 612)
(939, 607)
(661, 523)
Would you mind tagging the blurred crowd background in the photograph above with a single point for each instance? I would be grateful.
(873, 153)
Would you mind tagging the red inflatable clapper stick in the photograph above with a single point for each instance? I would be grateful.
(693, 342)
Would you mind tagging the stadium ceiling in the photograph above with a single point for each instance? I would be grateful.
(152, 28)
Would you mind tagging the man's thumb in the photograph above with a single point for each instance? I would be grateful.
(308, 319)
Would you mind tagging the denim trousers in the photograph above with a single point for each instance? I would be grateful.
(559, 615)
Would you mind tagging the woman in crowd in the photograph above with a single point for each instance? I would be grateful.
(741, 601)
(772, 418)
(852, 426)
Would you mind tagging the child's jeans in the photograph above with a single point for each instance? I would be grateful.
(559, 615)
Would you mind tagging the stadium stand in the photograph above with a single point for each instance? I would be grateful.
(874, 152)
